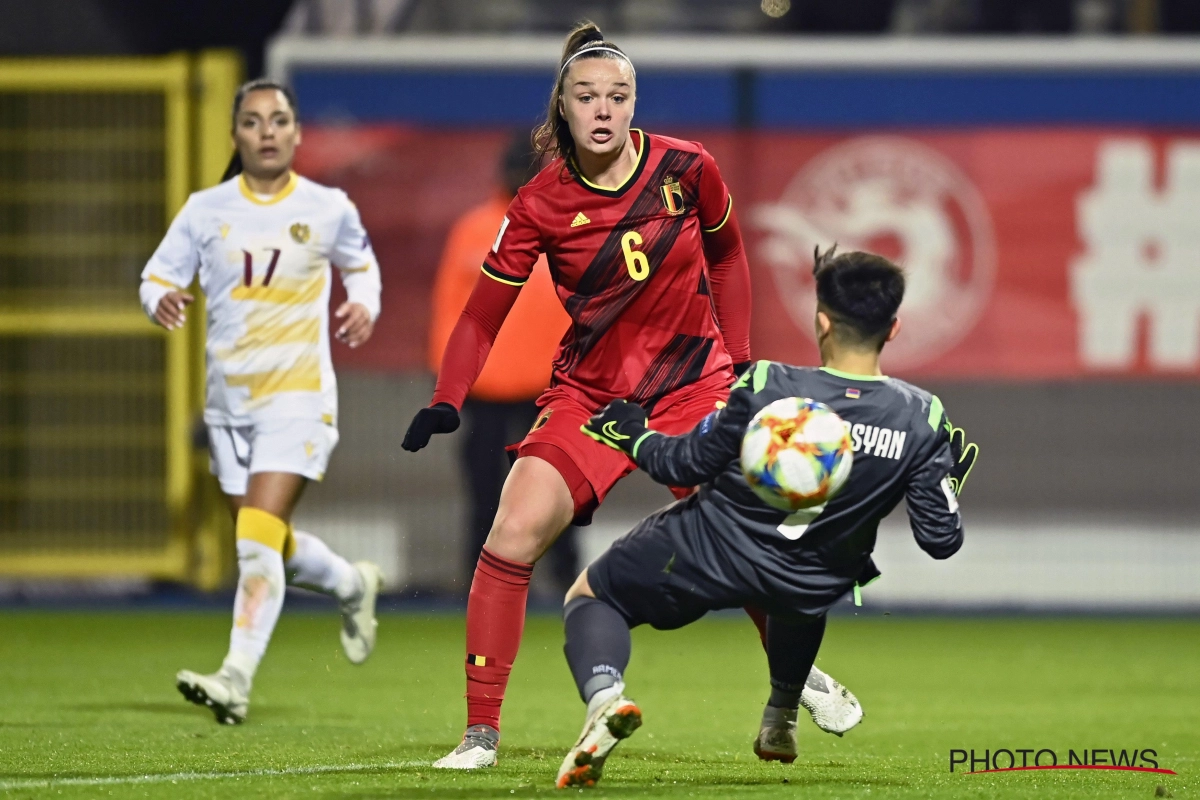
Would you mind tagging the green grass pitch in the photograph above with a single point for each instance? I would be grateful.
(90, 709)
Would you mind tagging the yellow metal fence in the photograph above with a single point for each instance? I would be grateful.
(97, 471)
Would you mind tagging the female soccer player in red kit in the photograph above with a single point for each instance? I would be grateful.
(647, 257)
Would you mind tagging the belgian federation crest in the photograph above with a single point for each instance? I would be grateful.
(672, 195)
(300, 233)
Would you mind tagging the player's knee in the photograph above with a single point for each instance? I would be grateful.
(234, 501)
(580, 588)
(523, 534)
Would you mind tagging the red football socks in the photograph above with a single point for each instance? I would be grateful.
(495, 622)
(760, 622)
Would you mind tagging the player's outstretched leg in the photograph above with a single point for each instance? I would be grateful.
(312, 565)
(256, 607)
(597, 649)
(833, 707)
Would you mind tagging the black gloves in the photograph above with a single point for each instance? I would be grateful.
(620, 425)
(964, 458)
(440, 418)
(739, 369)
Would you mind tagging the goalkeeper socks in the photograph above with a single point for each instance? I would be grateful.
(792, 647)
(784, 695)
(314, 566)
(259, 597)
(495, 622)
(597, 646)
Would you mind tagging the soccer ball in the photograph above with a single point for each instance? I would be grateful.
(796, 454)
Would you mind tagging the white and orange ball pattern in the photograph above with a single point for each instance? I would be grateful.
(796, 454)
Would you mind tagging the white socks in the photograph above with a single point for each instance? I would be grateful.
(314, 566)
(256, 608)
(260, 590)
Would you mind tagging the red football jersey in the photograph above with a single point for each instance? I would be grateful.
(629, 266)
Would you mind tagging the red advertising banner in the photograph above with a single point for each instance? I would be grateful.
(1030, 254)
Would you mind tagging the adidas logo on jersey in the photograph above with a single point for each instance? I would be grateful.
(580, 219)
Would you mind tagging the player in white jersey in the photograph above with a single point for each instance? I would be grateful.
(263, 243)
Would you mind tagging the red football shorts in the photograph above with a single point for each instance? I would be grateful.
(591, 469)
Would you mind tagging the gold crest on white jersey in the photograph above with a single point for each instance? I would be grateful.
(264, 265)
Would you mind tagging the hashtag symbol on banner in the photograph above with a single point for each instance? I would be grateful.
(1140, 257)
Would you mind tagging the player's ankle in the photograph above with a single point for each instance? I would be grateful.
(351, 588)
(236, 672)
(599, 684)
(483, 730)
(787, 697)
(602, 696)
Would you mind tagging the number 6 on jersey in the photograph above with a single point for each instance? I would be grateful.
(635, 260)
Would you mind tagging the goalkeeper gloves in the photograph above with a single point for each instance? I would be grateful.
(620, 425)
(440, 418)
(964, 455)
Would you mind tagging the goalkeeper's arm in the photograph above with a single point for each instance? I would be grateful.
(933, 506)
(933, 490)
(687, 460)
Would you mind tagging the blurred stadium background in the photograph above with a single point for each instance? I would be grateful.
(1034, 163)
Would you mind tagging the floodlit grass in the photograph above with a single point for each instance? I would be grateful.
(90, 709)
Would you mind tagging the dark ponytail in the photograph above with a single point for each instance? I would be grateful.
(553, 137)
(235, 167)
(235, 161)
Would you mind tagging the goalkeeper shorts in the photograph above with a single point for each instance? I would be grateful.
(684, 561)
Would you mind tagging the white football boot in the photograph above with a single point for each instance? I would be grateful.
(358, 615)
(477, 750)
(776, 739)
(833, 707)
(611, 717)
(216, 692)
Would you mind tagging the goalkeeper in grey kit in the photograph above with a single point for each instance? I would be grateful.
(723, 547)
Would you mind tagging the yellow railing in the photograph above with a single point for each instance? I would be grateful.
(218, 74)
(98, 475)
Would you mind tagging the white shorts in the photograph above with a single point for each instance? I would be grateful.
(299, 446)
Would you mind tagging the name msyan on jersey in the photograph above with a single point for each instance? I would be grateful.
(872, 440)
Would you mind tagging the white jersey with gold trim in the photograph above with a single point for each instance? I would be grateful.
(264, 266)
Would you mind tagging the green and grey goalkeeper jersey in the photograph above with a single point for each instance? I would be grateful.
(901, 446)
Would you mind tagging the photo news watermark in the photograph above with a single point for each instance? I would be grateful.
(1016, 759)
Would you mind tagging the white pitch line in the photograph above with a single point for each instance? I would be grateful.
(174, 777)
